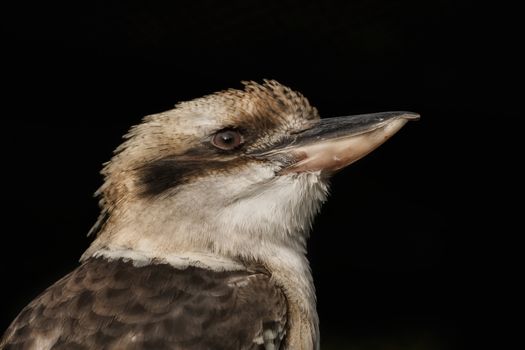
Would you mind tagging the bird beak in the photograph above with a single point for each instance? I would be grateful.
(333, 143)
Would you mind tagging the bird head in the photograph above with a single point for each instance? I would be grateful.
(237, 173)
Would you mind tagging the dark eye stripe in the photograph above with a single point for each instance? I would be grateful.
(165, 174)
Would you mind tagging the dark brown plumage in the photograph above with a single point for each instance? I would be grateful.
(115, 305)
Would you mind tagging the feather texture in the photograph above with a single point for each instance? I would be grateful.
(115, 305)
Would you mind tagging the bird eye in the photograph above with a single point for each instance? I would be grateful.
(227, 139)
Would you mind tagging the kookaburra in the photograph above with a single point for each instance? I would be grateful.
(201, 244)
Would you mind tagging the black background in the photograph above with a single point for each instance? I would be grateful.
(404, 254)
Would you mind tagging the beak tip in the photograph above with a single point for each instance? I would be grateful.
(410, 116)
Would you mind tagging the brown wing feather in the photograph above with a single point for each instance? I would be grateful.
(115, 305)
